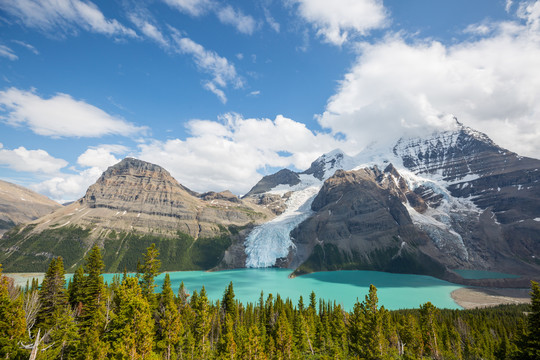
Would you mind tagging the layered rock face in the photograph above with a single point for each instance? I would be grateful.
(139, 200)
(134, 195)
(19, 205)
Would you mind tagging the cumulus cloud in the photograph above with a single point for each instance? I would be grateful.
(7, 53)
(228, 154)
(33, 161)
(60, 116)
(243, 23)
(101, 156)
(491, 83)
(64, 187)
(63, 15)
(336, 21)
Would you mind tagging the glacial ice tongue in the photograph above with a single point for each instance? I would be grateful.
(270, 241)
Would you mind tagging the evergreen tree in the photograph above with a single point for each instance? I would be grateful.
(76, 288)
(148, 272)
(529, 342)
(203, 322)
(64, 336)
(228, 304)
(428, 326)
(170, 328)
(52, 295)
(12, 321)
(132, 326)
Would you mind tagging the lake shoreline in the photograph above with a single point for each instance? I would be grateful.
(465, 297)
(473, 298)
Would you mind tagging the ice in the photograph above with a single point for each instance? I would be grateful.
(270, 241)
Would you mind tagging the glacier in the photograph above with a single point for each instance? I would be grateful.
(270, 241)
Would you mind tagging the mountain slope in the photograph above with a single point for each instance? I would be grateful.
(133, 204)
(478, 206)
(19, 205)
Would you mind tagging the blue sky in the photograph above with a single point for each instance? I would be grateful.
(220, 93)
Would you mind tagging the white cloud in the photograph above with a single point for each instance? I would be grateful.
(8, 53)
(255, 93)
(227, 154)
(530, 11)
(210, 86)
(101, 156)
(243, 23)
(65, 187)
(271, 21)
(34, 161)
(223, 72)
(478, 29)
(26, 45)
(71, 186)
(60, 116)
(62, 15)
(337, 20)
(191, 7)
(149, 30)
(508, 5)
(491, 84)
(227, 15)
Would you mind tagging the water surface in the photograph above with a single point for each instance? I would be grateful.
(395, 291)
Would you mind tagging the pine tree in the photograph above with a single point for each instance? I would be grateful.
(148, 272)
(203, 322)
(76, 288)
(170, 328)
(529, 342)
(428, 326)
(228, 304)
(64, 336)
(132, 326)
(52, 295)
(12, 321)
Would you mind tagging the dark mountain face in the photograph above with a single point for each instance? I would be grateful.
(454, 200)
(362, 223)
(282, 177)
(503, 185)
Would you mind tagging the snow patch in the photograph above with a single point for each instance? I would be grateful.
(536, 219)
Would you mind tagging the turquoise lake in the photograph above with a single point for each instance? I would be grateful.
(395, 291)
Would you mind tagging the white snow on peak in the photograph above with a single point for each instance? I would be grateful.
(270, 241)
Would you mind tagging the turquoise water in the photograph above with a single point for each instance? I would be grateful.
(395, 291)
(483, 274)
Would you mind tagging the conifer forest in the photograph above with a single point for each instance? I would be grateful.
(131, 319)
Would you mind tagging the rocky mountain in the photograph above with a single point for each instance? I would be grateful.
(451, 200)
(133, 204)
(19, 205)
(425, 205)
